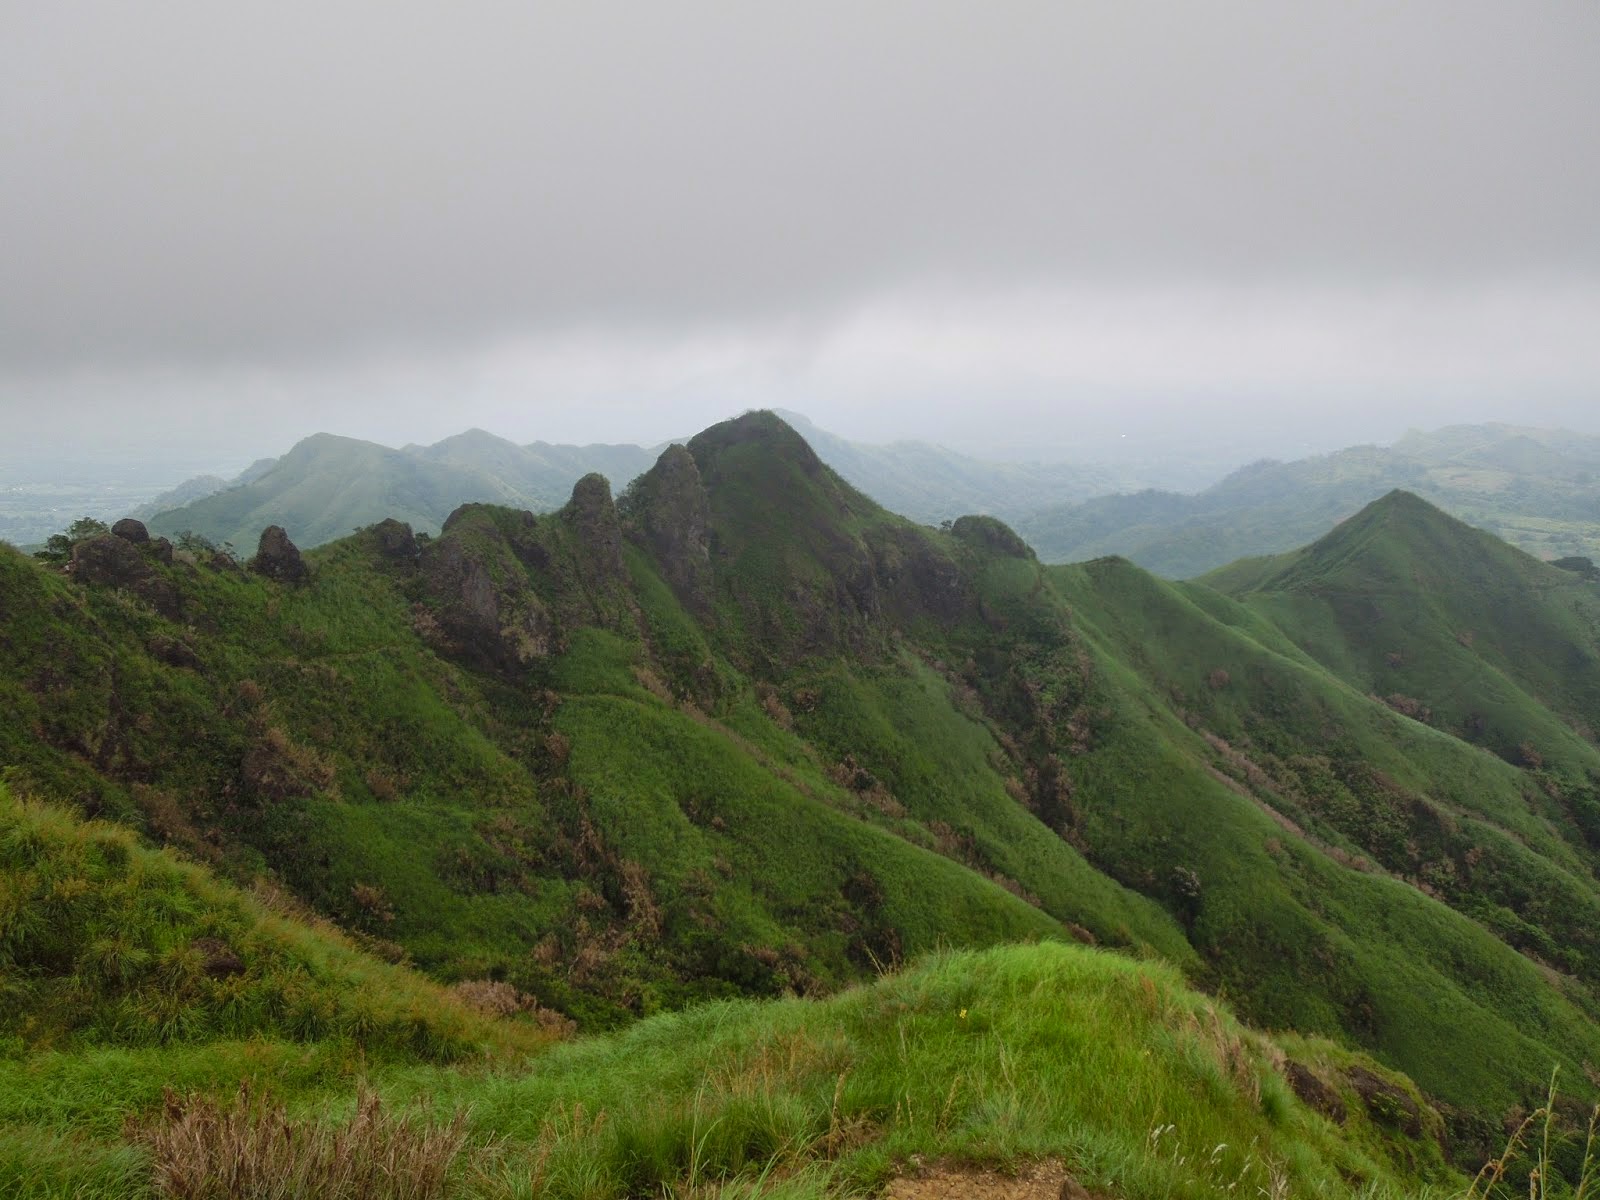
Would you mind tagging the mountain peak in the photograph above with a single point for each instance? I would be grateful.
(760, 428)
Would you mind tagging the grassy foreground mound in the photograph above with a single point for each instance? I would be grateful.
(1111, 1067)
(106, 942)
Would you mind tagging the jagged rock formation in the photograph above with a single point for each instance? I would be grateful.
(480, 607)
(279, 558)
(395, 539)
(592, 516)
(669, 511)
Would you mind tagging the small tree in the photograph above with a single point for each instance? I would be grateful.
(59, 546)
(197, 543)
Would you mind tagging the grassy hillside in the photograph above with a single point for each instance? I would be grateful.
(1532, 487)
(1055, 1060)
(744, 732)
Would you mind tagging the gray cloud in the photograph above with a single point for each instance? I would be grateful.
(323, 191)
(216, 180)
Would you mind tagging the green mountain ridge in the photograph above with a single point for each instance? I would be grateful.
(742, 731)
(1535, 488)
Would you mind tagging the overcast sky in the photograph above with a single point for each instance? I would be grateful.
(1034, 227)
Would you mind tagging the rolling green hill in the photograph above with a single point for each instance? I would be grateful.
(743, 732)
(168, 1035)
(1533, 487)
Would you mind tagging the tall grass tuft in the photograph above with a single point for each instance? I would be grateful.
(1528, 1155)
(250, 1149)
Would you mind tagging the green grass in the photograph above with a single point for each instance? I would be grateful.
(1137, 1085)
(104, 942)
(521, 758)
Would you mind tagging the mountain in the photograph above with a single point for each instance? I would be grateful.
(1535, 488)
(741, 731)
(326, 485)
(930, 483)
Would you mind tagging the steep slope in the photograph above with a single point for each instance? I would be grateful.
(1457, 630)
(744, 731)
(1531, 487)
(105, 942)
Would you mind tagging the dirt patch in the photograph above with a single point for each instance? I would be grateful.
(1311, 1089)
(943, 1181)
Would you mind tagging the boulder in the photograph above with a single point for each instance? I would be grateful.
(130, 530)
(395, 539)
(278, 558)
(108, 561)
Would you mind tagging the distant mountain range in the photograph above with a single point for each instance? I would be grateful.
(1536, 488)
(326, 485)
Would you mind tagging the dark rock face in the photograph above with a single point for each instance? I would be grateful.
(112, 561)
(501, 627)
(279, 558)
(672, 514)
(593, 517)
(109, 561)
(1388, 1104)
(1314, 1092)
(130, 530)
(395, 540)
(161, 549)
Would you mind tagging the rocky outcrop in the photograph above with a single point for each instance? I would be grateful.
(592, 516)
(669, 511)
(1312, 1090)
(479, 608)
(131, 531)
(1388, 1103)
(109, 561)
(395, 540)
(278, 558)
